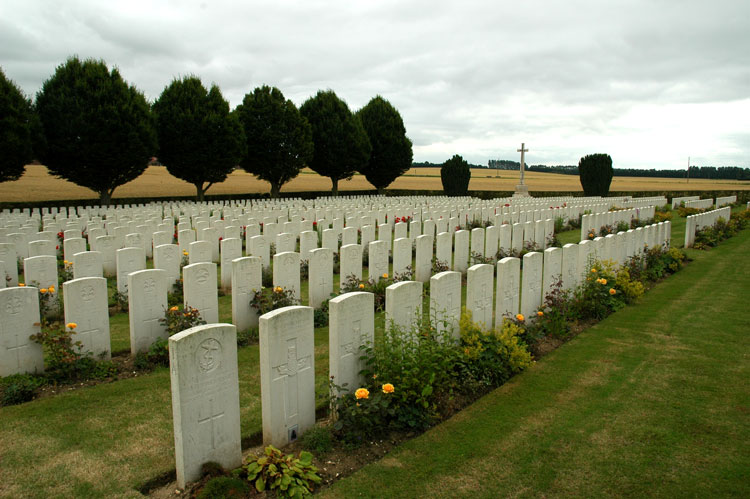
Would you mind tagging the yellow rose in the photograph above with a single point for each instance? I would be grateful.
(361, 286)
(540, 313)
(604, 282)
(519, 317)
(612, 291)
(20, 284)
(388, 388)
(593, 270)
(51, 289)
(43, 291)
(362, 393)
(174, 309)
(385, 276)
(71, 325)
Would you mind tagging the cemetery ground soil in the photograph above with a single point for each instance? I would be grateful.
(652, 401)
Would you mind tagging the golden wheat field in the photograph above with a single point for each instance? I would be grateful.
(38, 185)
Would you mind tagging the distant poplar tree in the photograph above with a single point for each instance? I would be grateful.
(595, 172)
(279, 139)
(98, 131)
(455, 174)
(391, 154)
(200, 141)
(15, 130)
(341, 146)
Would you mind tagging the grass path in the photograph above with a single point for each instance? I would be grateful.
(653, 401)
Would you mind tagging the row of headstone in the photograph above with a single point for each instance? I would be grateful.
(725, 200)
(700, 204)
(595, 221)
(205, 387)
(694, 223)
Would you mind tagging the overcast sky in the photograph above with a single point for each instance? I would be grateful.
(649, 82)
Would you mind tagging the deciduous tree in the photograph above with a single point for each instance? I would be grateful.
(200, 141)
(98, 131)
(391, 154)
(279, 140)
(15, 130)
(340, 142)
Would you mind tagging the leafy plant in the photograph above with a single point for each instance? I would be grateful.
(19, 388)
(318, 439)
(455, 175)
(283, 473)
(177, 319)
(267, 299)
(222, 487)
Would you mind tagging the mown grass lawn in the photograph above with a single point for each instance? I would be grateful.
(652, 401)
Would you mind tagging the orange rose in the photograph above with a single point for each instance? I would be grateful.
(388, 388)
(362, 393)
(519, 317)
(612, 291)
(540, 313)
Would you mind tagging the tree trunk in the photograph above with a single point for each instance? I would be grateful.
(105, 198)
(199, 191)
(275, 190)
(335, 186)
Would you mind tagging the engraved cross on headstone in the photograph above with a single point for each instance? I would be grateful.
(16, 348)
(212, 416)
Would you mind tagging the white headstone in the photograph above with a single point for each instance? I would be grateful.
(531, 284)
(351, 325)
(552, 271)
(378, 260)
(444, 249)
(445, 302)
(128, 260)
(403, 304)
(247, 278)
(401, 255)
(320, 285)
(479, 284)
(287, 374)
(286, 272)
(20, 319)
(200, 252)
(205, 399)
(86, 305)
(423, 261)
(87, 264)
(147, 300)
(350, 263)
(231, 249)
(570, 273)
(167, 257)
(508, 286)
(199, 290)
(461, 252)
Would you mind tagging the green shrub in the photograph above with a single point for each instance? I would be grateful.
(247, 337)
(223, 487)
(597, 297)
(492, 356)
(455, 175)
(267, 299)
(595, 172)
(283, 473)
(318, 440)
(177, 319)
(175, 297)
(19, 388)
